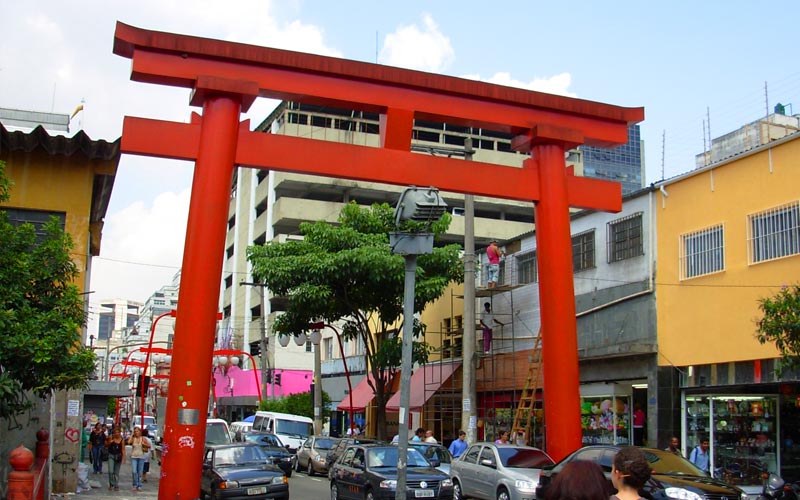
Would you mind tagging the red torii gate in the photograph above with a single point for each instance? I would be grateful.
(227, 77)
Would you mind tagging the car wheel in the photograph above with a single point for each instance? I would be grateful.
(289, 472)
(503, 494)
(310, 469)
(334, 492)
(457, 494)
(369, 496)
(297, 465)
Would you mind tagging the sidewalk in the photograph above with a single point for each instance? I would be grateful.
(149, 489)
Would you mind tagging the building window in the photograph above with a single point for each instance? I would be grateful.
(583, 251)
(526, 268)
(625, 238)
(309, 346)
(229, 282)
(229, 252)
(328, 347)
(36, 218)
(702, 252)
(774, 233)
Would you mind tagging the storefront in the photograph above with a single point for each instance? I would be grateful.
(606, 414)
(749, 434)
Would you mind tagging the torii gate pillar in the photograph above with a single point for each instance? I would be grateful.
(226, 77)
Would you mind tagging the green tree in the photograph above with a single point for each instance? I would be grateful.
(41, 313)
(297, 404)
(781, 324)
(346, 273)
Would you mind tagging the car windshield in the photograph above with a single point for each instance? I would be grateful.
(664, 462)
(387, 457)
(324, 444)
(524, 458)
(238, 455)
(293, 428)
(438, 453)
(216, 434)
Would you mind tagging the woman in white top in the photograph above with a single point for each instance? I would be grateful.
(139, 446)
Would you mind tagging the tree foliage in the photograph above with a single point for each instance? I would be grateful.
(346, 274)
(781, 324)
(297, 404)
(41, 313)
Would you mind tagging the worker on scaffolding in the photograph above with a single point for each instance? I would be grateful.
(487, 322)
(493, 254)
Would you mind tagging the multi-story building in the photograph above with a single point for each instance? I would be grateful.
(70, 178)
(623, 164)
(729, 236)
(116, 318)
(162, 301)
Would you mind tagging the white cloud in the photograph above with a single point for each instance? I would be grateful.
(142, 248)
(425, 48)
(556, 84)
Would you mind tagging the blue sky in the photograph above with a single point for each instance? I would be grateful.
(676, 59)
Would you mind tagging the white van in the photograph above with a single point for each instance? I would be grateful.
(291, 429)
(240, 428)
(217, 431)
(137, 421)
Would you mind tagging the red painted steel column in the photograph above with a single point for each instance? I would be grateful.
(557, 299)
(190, 377)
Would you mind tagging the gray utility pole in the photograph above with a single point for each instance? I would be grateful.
(419, 204)
(264, 345)
(318, 388)
(470, 395)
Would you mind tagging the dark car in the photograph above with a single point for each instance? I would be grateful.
(337, 451)
(435, 453)
(233, 471)
(672, 476)
(274, 449)
(369, 472)
(312, 456)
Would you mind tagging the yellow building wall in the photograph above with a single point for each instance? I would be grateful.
(712, 318)
(59, 184)
(448, 306)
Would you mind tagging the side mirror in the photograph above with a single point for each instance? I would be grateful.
(488, 463)
(206, 466)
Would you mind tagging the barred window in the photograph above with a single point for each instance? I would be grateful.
(37, 218)
(774, 233)
(625, 238)
(702, 252)
(583, 251)
(526, 268)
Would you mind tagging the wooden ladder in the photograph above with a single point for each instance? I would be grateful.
(521, 430)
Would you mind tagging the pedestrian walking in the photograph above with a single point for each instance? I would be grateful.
(579, 480)
(139, 446)
(503, 439)
(674, 446)
(147, 456)
(97, 440)
(429, 437)
(116, 456)
(419, 435)
(629, 473)
(459, 446)
(699, 456)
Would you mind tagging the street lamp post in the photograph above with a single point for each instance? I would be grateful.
(319, 326)
(173, 313)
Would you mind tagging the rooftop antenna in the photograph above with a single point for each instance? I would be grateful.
(663, 149)
(710, 144)
(376, 46)
(705, 149)
(53, 103)
(766, 106)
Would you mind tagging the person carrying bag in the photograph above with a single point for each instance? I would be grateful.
(116, 454)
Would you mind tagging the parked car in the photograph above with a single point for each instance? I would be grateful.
(240, 471)
(312, 456)
(369, 472)
(337, 451)
(277, 453)
(435, 453)
(672, 476)
(490, 471)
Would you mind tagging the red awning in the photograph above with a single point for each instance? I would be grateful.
(424, 384)
(362, 397)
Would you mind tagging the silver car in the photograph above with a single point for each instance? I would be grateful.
(490, 471)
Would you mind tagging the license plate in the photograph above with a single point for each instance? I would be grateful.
(261, 490)
(423, 493)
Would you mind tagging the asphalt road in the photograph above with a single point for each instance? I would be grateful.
(316, 487)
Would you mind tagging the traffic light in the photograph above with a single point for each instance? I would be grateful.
(255, 348)
(277, 379)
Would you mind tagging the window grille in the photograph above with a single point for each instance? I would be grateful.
(526, 268)
(583, 251)
(774, 233)
(625, 238)
(702, 252)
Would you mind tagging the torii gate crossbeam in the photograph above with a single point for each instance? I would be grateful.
(227, 77)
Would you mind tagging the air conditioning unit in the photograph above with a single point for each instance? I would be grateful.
(457, 211)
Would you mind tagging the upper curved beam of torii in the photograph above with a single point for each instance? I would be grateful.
(399, 95)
